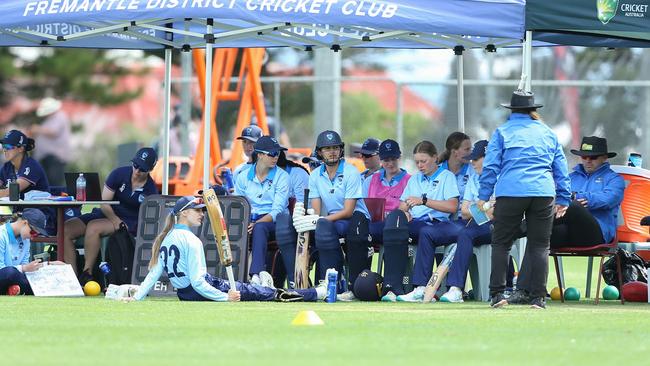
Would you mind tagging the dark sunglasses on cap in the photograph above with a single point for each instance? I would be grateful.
(138, 167)
(196, 201)
(8, 147)
(273, 154)
(367, 156)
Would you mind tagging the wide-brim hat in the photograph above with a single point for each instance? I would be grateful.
(593, 146)
(522, 100)
(48, 106)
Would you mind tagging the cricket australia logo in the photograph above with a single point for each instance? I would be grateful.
(389, 146)
(330, 136)
(27, 170)
(606, 10)
(144, 155)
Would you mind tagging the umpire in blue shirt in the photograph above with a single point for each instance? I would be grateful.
(598, 192)
(527, 171)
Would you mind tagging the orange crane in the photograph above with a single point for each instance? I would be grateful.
(186, 174)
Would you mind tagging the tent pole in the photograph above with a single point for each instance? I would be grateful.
(528, 59)
(458, 51)
(400, 115)
(166, 120)
(207, 108)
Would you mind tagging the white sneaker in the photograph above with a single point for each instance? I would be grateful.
(347, 296)
(266, 279)
(255, 280)
(453, 295)
(389, 297)
(321, 290)
(417, 295)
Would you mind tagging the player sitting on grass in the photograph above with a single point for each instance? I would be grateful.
(179, 253)
(15, 242)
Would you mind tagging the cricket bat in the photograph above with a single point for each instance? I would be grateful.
(439, 275)
(301, 271)
(220, 231)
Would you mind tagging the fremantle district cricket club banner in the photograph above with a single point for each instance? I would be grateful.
(348, 8)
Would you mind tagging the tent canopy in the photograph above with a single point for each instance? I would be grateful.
(590, 23)
(301, 24)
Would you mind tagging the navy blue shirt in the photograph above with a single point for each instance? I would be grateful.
(119, 181)
(31, 171)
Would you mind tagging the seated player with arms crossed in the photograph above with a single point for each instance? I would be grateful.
(179, 253)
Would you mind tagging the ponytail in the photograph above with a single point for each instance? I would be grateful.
(453, 143)
(155, 249)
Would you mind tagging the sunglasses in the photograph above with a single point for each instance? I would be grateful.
(196, 201)
(590, 157)
(32, 232)
(138, 167)
(367, 156)
(273, 154)
(8, 147)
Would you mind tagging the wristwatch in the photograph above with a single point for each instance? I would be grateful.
(424, 199)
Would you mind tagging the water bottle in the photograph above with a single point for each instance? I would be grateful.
(332, 279)
(105, 268)
(226, 178)
(635, 160)
(14, 190)
(81, 187)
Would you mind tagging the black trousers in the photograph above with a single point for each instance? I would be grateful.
(577, 228)
(508, 213)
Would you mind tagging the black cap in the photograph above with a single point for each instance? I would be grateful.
(268, 144)
(522, 100)
(389, 149)
(480, 147)
(36, 220)
(369, 147)
(145, 159)
(328, 138)
(250, 133)
(593, 146)
(19, 139)
(367, 286)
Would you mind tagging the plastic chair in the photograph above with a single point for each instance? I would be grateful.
(600, 250)
(481, 266)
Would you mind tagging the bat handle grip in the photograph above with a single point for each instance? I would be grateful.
(231, 278)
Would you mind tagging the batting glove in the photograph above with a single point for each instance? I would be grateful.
(298, 210)
(306, 223)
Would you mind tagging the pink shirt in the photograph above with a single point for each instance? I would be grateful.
(391, 193)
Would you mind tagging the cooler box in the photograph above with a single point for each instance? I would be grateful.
(635, 205)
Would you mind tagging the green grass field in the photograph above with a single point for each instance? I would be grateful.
(94, 331)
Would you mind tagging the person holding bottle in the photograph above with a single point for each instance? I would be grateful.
(129, 185)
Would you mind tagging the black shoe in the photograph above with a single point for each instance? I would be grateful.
(498, 300)
(283, 295)
(538, 303)
(519, 297)
(85, 277)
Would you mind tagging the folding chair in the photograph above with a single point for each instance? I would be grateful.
(600, 250)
